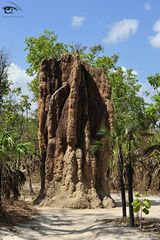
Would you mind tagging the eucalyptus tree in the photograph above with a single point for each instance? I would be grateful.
(38, 48)
(130, 120)
(153, 108)
(4, 76)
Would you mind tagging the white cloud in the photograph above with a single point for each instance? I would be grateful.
(121, 30)
(19, 78)
(155, 40)
(77, 21)
(147, 6)
(156, 26)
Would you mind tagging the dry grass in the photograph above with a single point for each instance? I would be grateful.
(16, 212)
(148, 224)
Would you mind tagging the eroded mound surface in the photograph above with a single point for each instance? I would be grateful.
(74, 103)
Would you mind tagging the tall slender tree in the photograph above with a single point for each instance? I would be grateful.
(4, 77)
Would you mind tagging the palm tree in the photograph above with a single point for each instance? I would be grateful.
(11, 153)
(116, 140)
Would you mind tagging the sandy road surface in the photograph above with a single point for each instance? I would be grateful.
(86, 224)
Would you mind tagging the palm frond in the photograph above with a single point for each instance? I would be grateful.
(96, 146)
(104, 132)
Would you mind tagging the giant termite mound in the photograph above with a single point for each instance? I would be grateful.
(75, 101)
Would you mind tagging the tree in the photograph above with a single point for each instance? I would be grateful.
(26, 106)
(121, 179)
(21, 124)
(11, 153)
(46, 46)
(128, 108)
(4, 80)
(141, 205)
(153, 108)
(116, 153)
(43, 47)
(131, 112)
(4, 89)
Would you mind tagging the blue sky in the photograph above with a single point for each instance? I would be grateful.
(130, 28)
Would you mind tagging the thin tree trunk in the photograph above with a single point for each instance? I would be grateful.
(31, 191)
(121, 180)
(33, 163)
(149, 177)
(3, 213)
(0, 187)
(130, 185)
(41, 194)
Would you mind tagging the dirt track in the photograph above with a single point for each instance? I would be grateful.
(86, 224)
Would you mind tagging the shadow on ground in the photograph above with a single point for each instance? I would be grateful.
(70, 224)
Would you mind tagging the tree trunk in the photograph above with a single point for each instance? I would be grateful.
(121, 180)
(42, 192)
(3, 213)
(0, 187)
(6, 179)
(31, 191)
(130, 185)
(33, 160)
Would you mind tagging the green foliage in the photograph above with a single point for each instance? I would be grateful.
(104, 132)
(107, 63)
(42, 47)
(18, 178)
(154, 81)
(141, 205)
(18, 139)
(46, 46)
(129, 108)
(96, 146)
(18, 118)
(153, 109)
(39, 48)
(11, 149)
(33, 85)
(4, 78)
(90, 55)
(25, 148)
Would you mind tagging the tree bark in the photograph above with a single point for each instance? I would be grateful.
(31, 191)
(0, 187)
(42, 192)
(130, 185)
(121, 180)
